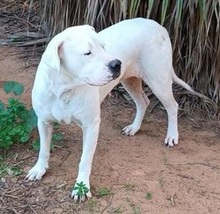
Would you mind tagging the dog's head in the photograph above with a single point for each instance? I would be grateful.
(78, 52)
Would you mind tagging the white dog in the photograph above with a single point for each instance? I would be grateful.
(80, 67)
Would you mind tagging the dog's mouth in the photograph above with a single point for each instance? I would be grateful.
(107, 80)
(115, 75)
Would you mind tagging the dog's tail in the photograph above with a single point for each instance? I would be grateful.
(180, 82)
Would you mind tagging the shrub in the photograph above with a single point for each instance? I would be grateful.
(16, 120)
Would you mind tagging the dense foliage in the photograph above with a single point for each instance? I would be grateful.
(16, 121)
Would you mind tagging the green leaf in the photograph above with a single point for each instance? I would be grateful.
(16, 171)
(150, 7)
(81, 188)
(36, 144)
(31, 119)
(24, 138)
(148, 196)
(57, 137)
(56, 125)
(6, 144)
(12, 86)
(165, 5)
(104, 191)
(75, 188)
(2, 105)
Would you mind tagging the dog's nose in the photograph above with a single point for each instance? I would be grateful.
(115, 68)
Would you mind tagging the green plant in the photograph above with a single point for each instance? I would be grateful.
(16, 121)
(134, 207)
(81, 189)
(161, 181)
(92, 205)
(129, 187)
(117, 210)
(103, 191)
(11, 170)
(148, 196)
(56, 137)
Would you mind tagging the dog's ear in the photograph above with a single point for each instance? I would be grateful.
(52, 54)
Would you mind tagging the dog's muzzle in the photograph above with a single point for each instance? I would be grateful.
(115, 68)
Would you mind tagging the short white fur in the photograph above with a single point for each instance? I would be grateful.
(70, 84)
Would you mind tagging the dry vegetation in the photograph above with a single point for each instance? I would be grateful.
(193, 26)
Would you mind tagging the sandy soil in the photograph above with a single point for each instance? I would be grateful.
(142, 175)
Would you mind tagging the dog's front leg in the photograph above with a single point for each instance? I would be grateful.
(90, 138)
(39, 169)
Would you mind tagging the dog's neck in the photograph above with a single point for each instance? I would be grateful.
(63, 83)
(58, 83)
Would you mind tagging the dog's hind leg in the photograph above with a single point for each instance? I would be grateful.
(39, 169)
(162, 88)
(133, 86)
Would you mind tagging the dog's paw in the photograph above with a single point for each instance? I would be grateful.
(80, 192)
(37, 172)
(171, 141)
(130, 130)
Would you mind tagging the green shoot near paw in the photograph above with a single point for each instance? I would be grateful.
(81, 189)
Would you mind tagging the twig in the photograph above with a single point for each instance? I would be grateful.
(172, 199)
(32, 209)
(64, 159)
(108, 205)
(29, 43)
(11, 196)
(14, 210)
(7, 6)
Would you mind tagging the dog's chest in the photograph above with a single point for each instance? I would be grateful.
(67, 111)
(71, 106)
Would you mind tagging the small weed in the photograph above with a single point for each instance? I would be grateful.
(103, 192)
(36, 144)
(3, 169)
(148, 196)
(165, 158)
(6, 169)
(117, 210)
(56, 125)
(14, 171)
(92, 204)
(129, 187)
(161, 181)
(135, 209)
(81, 189)
(57, 137)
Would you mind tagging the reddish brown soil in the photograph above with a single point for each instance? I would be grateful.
(142, 175)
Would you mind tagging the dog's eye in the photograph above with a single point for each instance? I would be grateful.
(88, 53)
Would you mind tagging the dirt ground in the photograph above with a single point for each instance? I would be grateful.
(130, 175)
